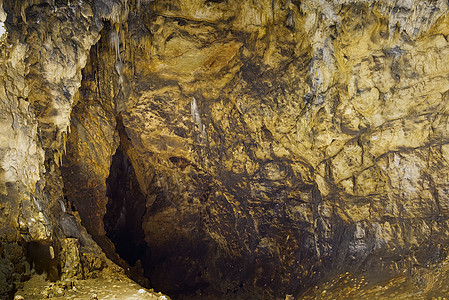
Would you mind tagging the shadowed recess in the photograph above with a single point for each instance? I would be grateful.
(125, 209)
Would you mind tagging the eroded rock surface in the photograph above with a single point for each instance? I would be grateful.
(278, 143)
(262, 147)
(44, 46)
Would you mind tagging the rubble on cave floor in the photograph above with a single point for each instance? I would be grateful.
(115, 287)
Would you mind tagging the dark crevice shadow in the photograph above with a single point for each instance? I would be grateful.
(123, 218)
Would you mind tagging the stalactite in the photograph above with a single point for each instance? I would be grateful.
(115, 41)
(64, 135)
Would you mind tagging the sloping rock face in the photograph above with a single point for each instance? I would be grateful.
(243, 149)
(276, 143)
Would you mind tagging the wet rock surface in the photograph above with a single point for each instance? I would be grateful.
(249, 149)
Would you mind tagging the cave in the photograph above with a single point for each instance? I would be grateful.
(124, 212)
(224, 149)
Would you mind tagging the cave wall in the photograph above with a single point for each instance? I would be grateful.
(276, 143)
(44, 47)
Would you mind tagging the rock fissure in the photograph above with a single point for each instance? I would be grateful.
(124, 213)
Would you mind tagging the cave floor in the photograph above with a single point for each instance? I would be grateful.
(344, 286)
(99, 288)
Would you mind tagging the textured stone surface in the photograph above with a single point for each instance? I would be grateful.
(278, 143)
(263, 146)
(112, 287)
(44, 47)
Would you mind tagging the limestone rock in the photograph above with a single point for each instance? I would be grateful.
(275, 143)
(248, 148)
(43, 49)
(71, 267)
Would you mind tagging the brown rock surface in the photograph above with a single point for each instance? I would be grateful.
(239, 148)
(44, 46)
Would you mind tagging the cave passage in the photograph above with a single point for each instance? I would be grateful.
(175, 268)
(124, 212)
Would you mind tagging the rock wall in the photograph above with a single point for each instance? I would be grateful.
(44, 46)
(276, 144)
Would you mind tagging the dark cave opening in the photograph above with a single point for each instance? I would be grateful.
(174, 268)
(124, 212)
